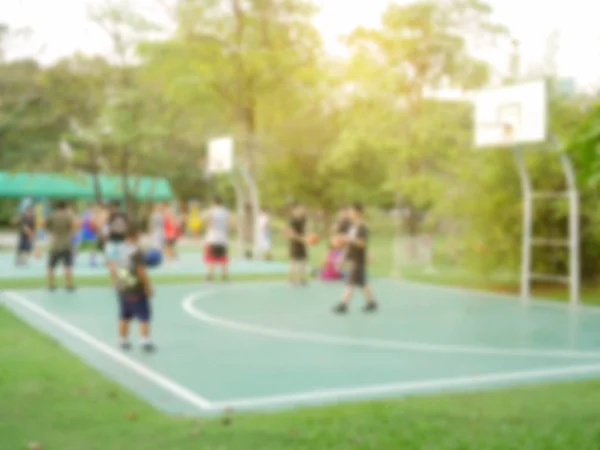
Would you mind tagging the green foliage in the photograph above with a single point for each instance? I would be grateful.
(29, 127)
(307, 126)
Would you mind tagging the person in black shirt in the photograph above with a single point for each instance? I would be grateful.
(117, 230)
(26, 237)
(356, 241)
(296, 231)
(343, 224)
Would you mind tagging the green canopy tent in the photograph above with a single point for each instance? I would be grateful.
(80, 187)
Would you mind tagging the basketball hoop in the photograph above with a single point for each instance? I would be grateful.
(501, 134)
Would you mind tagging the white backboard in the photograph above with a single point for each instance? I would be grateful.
(511, 115)
(220, 155)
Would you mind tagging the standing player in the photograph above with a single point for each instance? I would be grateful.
(133, 289)
(171, 230)
(100, 221)
(296, 233)
(340, 230)
(356, 255)
(117, 229)
(217, 220)
(26, 236)
(156, 226)
(61, 226)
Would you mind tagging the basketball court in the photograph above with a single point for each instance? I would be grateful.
(269, 346)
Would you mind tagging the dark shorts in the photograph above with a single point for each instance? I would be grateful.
(298, 252)
(134, 306)
(25, 245)
(170, 242)
(57, 257)
(100, 244)
(357, 275)
(216, 254)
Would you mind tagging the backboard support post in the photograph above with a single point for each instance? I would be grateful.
(512, 117)
(573, 232)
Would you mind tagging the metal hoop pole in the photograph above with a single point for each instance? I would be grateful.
(574, 237)
(255, 209)
(239, 205)
(526, 193)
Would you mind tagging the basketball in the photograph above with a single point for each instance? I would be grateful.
(312, 239)
(152, 257)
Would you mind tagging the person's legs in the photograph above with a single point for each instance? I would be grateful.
(111, 254)
(124, 334)
(143, 314)
(68, 268)
(301, 267)
(371, 304)
(37, 245)
(224, 271)
(301, 272)
(52, 261)
(125, 316)
(354, 279)
(293, 271)
(210, 271)
(168, 251)
(23, 251)
(173, 245)
(224, 263)
(210, 261)
(100, 247)
(342, 306)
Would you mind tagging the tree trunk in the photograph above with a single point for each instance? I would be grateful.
(127, 200)
(97, 186)
(95, 173)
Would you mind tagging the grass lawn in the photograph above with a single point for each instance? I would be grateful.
(50, 397)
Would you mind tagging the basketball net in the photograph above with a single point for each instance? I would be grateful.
(507, 133)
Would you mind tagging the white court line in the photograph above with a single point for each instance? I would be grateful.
(410, 387)
(143, 371)
(188, 305)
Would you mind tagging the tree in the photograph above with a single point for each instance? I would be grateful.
(395, 70)
(238, 57)
(77, 88)
(30, 128)
(130, 137)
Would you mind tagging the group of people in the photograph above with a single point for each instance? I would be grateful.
(347, 253)
(116, 236)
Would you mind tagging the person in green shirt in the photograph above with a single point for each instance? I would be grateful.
(61, 225)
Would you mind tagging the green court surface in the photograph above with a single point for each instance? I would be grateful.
(266, 346)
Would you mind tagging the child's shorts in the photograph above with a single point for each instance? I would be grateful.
(134, 306)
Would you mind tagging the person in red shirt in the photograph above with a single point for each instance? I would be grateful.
(171, 232)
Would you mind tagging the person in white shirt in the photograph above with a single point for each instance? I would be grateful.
(218, 223)
(264, 227)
